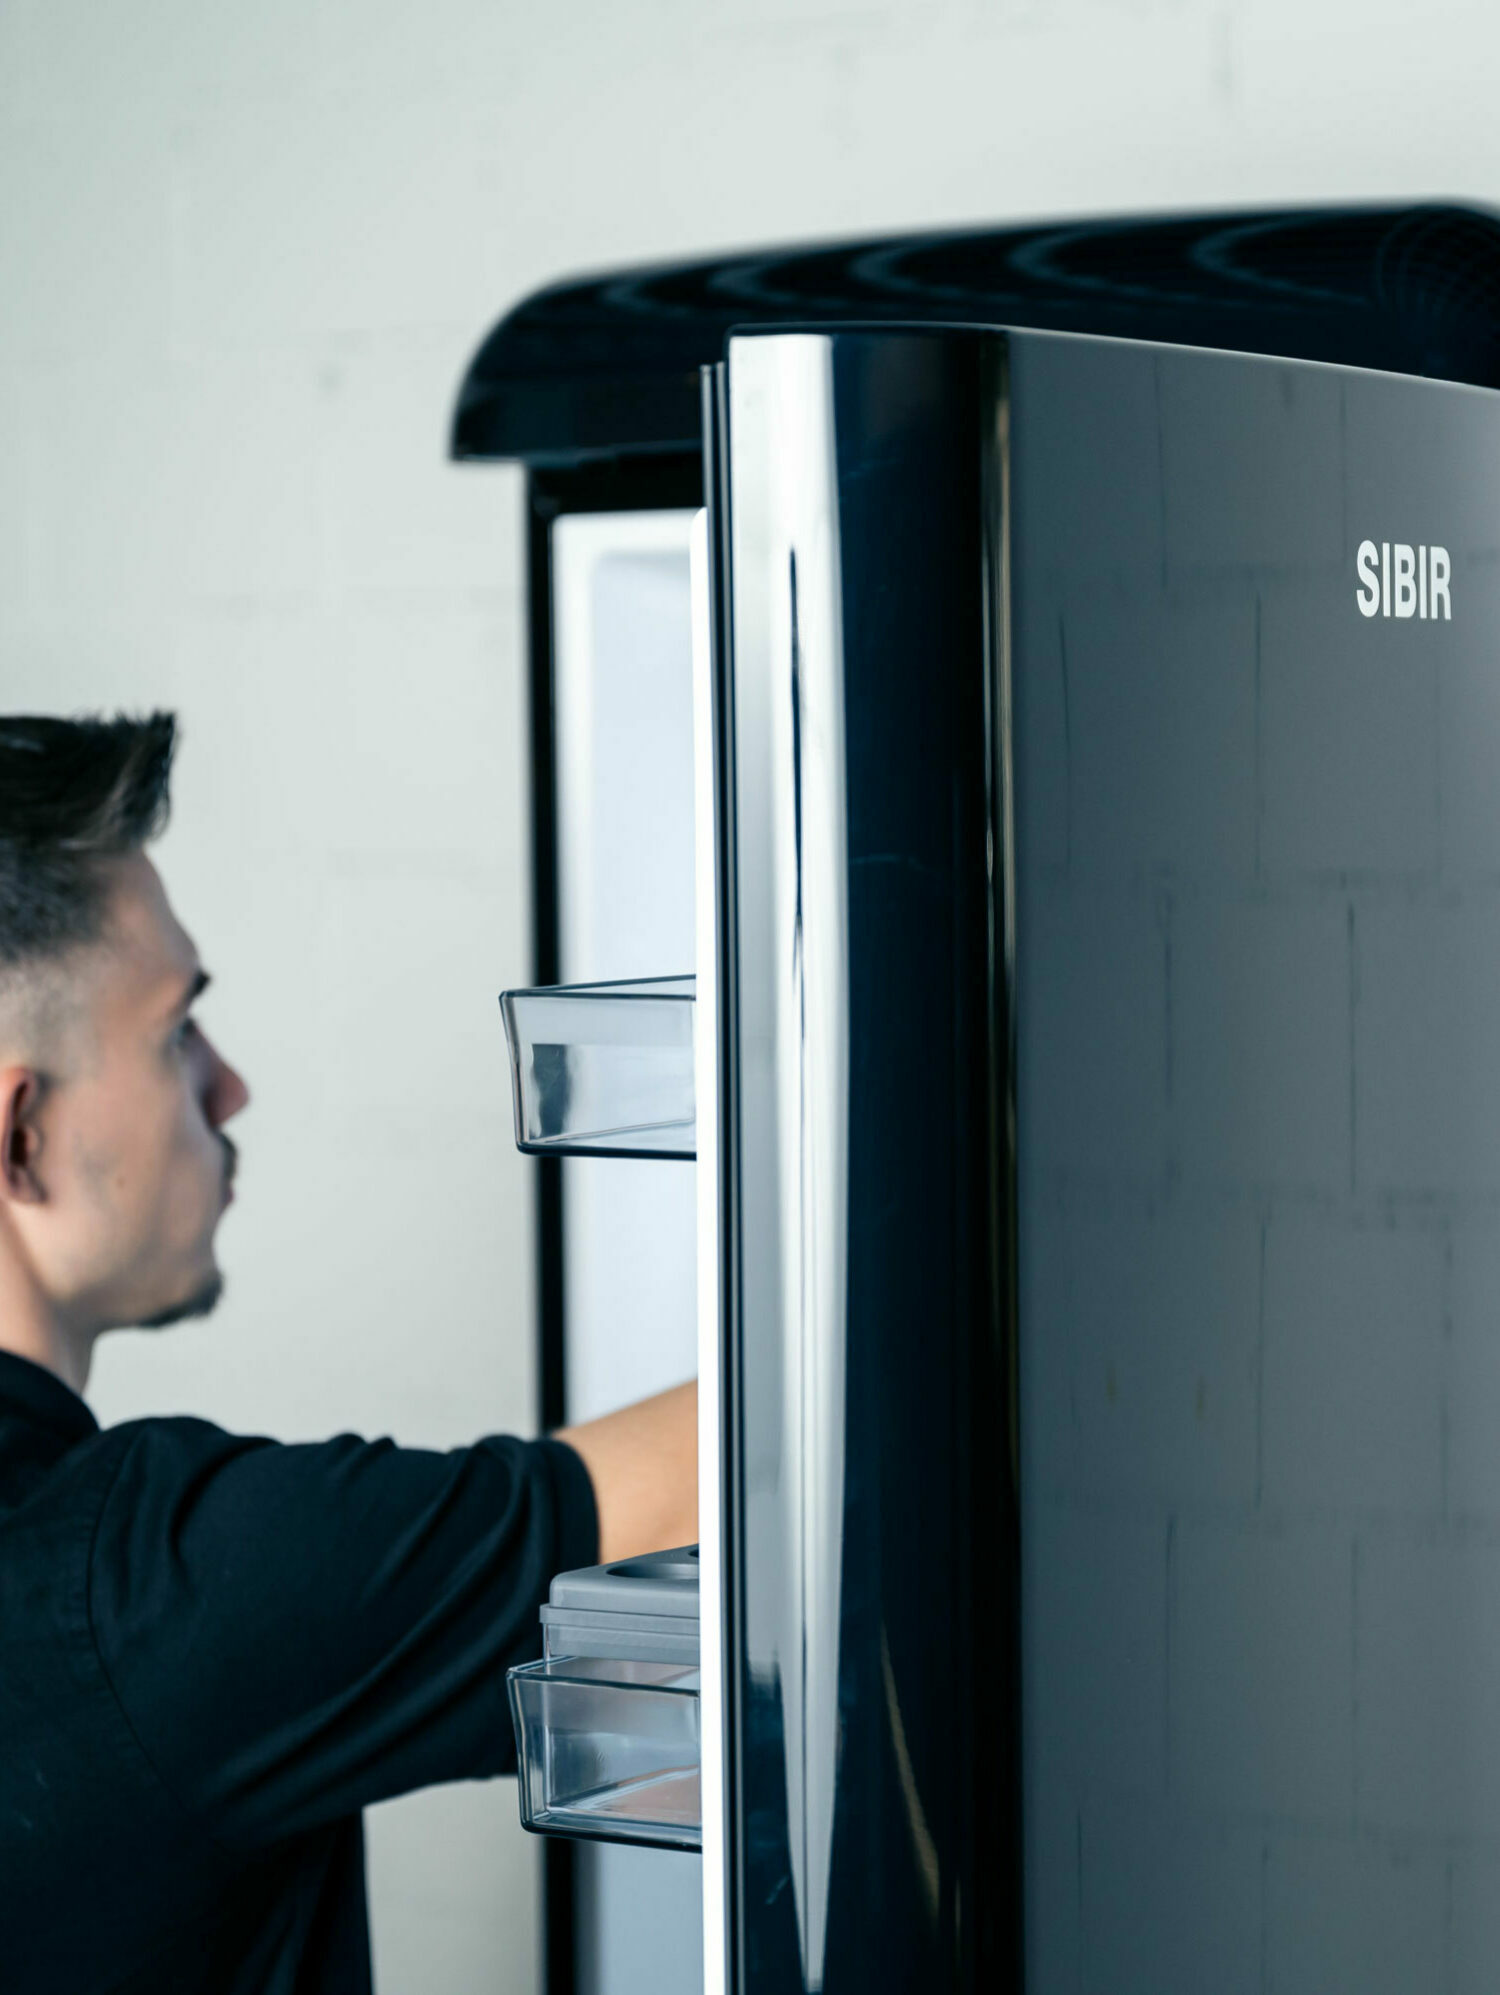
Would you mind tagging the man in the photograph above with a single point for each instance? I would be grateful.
(214, 1651)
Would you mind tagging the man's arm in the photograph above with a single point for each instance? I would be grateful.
(643, 1463)
(296, 1631)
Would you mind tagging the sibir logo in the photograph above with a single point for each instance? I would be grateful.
(1403, 581)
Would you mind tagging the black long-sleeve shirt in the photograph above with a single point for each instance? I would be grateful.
(214, 1651)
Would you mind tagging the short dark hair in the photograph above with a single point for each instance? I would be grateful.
(73, 793)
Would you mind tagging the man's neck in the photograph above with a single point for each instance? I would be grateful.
(29, 1328)
(69, 1362)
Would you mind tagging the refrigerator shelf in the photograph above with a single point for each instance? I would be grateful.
(609, 1749)
(608, 1730)
(603, 1070)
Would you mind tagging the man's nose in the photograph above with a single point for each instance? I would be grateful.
(226, 1093)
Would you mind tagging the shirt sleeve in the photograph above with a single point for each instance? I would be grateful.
(294, 1632)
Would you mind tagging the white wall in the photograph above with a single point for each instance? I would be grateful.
(244, 255)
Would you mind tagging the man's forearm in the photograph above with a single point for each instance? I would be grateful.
(643, 1463)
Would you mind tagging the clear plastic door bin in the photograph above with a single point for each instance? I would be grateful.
(603, 1070)
(607, 1723)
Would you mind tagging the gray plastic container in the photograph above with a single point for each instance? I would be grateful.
(608, 1741)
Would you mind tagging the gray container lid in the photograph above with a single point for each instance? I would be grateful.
(639, 1610)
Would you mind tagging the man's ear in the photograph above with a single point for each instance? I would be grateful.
(20, 1135)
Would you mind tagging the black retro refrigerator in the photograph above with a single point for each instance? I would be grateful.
(1016, 730)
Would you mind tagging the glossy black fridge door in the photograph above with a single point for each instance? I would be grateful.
(870, 1542)
(1256, 741)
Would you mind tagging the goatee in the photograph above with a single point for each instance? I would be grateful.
(199, 1303)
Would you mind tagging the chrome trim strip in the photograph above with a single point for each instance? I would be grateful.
(793, 1044)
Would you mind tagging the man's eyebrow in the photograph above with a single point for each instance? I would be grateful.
(197, 984)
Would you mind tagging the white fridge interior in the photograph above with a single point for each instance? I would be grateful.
(624, 731)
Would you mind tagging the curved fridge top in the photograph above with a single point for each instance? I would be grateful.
(608, 364)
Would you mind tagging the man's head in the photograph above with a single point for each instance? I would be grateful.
(114, 1170)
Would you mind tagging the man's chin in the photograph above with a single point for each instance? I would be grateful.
(202, 1300)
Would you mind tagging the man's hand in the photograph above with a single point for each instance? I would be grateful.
(643, 1463)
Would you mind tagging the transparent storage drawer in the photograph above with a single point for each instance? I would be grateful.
(609, 1749)
(607, 1724)
(603, 1070)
